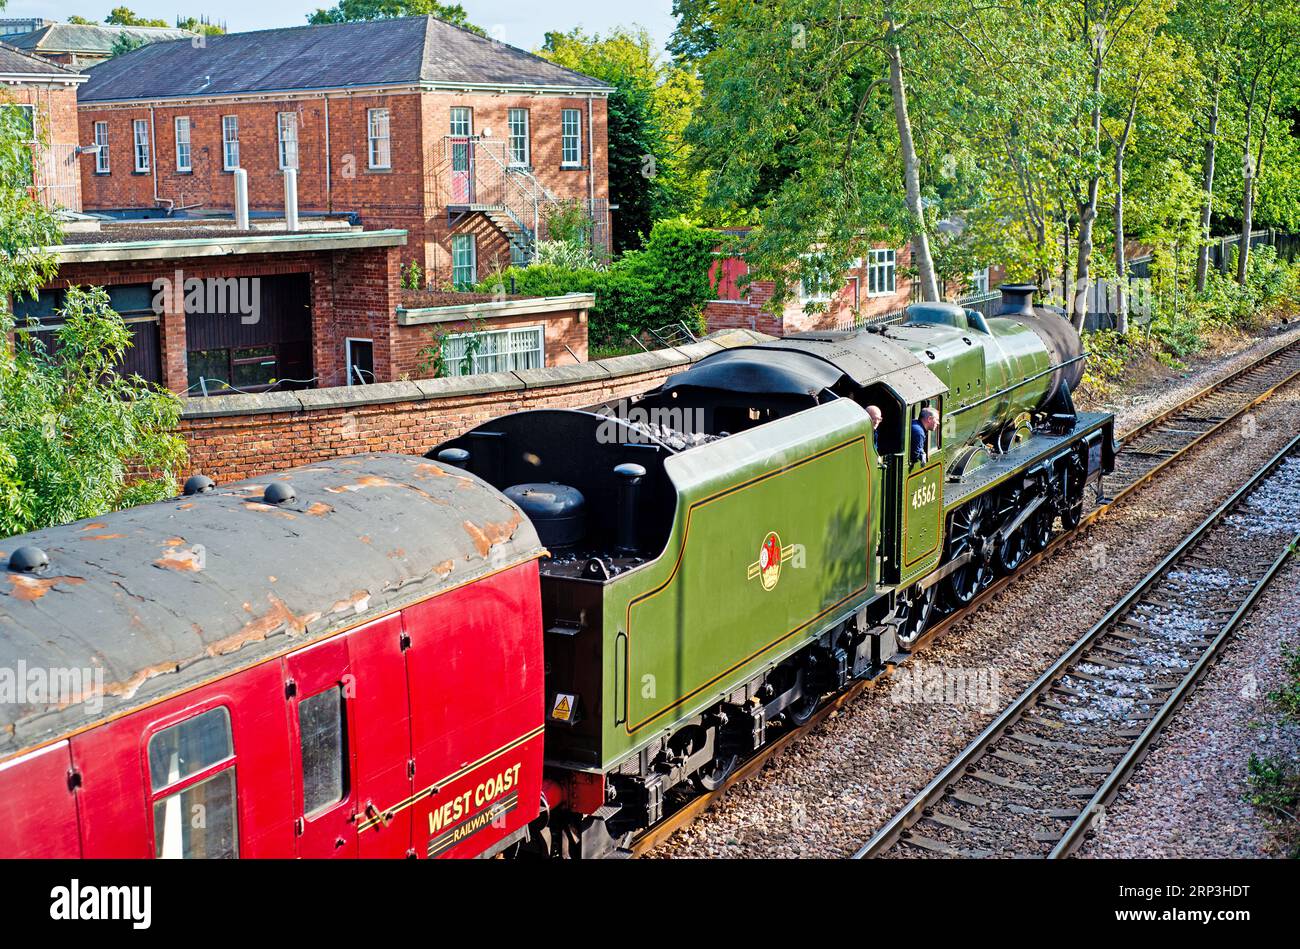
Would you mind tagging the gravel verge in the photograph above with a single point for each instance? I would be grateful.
(1187, 797)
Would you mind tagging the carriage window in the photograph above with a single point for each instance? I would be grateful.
(199, 822)
(194, 818)
(187, 748)
(321, 730)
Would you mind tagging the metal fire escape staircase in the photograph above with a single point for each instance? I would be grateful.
(480, 180)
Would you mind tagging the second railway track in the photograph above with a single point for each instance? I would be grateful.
(1036, 780)
(1147, 450)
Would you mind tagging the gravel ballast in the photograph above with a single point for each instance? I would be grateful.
(828, 793)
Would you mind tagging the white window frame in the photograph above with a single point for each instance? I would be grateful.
(229, 138)
(347, 357)
(882, 272)
(184, 159)
(379, 151)
(512, 360)
(825, 297)
(980, 282)
(465, 113)
(519, 134)
(102, 166)
(140, 137)
(573, 138)
(458, 242)
(288, 143)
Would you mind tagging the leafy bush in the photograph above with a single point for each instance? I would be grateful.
(74, 435)
(566, 254)
(666, 281)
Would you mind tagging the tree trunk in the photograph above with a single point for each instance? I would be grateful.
(1121, 264)
(1088, 211)
(1207, 184)
(1065, 259)
(1252, 169)
(911, 175)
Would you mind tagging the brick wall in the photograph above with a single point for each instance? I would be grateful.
(564, 337)
(234, 437)
(353, 293)
(757, 313)
(56, 117)
(412, 194)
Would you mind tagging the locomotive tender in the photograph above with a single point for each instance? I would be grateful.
(720, 553)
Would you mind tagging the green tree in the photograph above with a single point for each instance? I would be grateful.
(74, 432)
(71, 432)
(351, 11)
(649, 177)
(123, 16)
(82, 21)
(125, 43)
(811, 118)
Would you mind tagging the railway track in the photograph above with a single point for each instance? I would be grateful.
(1155, 444)
(1040, 776)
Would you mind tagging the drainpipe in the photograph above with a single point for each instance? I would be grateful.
(591, 164)
(329, 193)
(153, 164)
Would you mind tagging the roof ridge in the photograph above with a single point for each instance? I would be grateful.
(517, 49)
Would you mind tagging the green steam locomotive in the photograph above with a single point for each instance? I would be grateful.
(731, 547)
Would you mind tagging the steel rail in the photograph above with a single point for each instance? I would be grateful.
(891, 833)
(654, 836)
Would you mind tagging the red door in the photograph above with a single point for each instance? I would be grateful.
(462, 170)
(38, 809)
(381, 727)
(320, 689)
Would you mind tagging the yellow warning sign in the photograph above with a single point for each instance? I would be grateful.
(562, 710)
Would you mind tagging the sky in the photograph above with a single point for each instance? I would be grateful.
(520, 23)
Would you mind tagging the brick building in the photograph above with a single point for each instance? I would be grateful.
(213, 310)
(411, 123)
(46, 95)
(876, 285)
(82, 45)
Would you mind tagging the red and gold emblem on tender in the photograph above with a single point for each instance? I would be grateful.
(770, 557)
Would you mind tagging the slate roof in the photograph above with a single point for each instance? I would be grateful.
(90, 39)
(400, 51)
(15, 62)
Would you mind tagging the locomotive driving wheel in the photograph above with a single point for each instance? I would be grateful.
(914, 615)
(1013, 548)
(972, 526)
(1038, 528)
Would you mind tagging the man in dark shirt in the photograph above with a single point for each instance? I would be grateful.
(924, 423)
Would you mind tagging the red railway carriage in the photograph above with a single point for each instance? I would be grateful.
(276, 668)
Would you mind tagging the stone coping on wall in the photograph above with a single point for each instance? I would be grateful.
(494, 309)
(308, 400)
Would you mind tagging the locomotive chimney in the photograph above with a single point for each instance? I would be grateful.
(1017, 299)
(629, 491)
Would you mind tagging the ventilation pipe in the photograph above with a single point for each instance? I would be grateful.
(241, 199)
(629, 489)
(290, 199)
